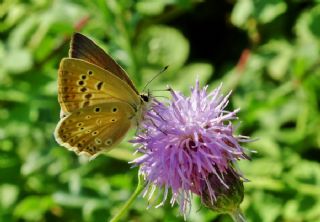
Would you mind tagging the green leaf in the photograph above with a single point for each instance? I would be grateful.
(266, 11)
(261, 11)
(150, 7)
(17, 61)
(9, 195)
(241, 12)
(160, 46)
(304, 208)
(281, 60)
(187, 76)
(33, 208)
(267, 206)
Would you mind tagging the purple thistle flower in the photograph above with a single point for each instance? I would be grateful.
(186, 141)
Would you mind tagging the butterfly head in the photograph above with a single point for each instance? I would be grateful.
(145, 97)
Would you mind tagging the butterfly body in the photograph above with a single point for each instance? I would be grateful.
(99, 103)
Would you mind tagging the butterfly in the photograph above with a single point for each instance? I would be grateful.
(99, 102)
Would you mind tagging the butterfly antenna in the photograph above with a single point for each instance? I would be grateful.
(148, 83)
(166, 97)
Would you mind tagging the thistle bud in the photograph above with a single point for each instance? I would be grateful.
(228, 193)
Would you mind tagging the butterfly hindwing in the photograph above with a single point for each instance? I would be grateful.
(99, 102)
(94, 129)
(82, 84)
(82, 47)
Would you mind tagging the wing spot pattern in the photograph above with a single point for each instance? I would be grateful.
(98, 141)
(97, 109)
(99, 85)
(98, 122)
(108, 142)
(114, 109)
(91, 148)
(90, 72)
(81, 83)
(83, 77)
(94, 133)
(64, 72)
(113, 120)
(88, 96)
(83, 89)
(86, 103)
(80, 124)
(88, 117)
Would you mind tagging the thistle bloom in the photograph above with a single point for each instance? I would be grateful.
(188, 142)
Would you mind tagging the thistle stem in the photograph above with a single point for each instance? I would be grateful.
(129, 202)
(237, 216)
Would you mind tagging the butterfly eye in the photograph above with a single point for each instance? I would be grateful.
(108, 142)
(90, 72)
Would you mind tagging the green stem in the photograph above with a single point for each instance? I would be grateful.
(129, 202)
(237, 216)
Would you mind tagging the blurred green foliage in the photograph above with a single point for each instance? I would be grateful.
(273, 69)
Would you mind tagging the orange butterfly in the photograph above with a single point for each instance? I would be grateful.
(99, 102)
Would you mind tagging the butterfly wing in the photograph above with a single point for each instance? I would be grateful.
(82, 84)
(94, 129)
(82, 47)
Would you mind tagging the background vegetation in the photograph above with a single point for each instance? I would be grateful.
(267, 52)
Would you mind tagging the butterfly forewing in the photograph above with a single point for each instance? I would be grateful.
(83, 48)
(83, 84)
(98, 100)
(94, 129)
